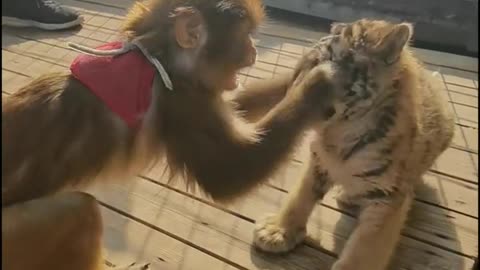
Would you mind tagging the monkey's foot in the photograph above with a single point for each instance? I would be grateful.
(271, 236)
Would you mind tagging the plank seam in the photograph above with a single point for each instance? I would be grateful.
(171, 235)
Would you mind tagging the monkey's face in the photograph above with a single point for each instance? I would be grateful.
(226, 53)
(214, 45)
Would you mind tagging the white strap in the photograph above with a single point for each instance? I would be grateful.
(127, 46)
(154, 61)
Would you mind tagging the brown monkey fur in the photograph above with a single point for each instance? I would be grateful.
(57, 134)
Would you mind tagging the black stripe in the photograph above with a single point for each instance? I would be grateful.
(350, 105)
(359, 76)
(427, 152)
(379, 194)
(364, 93)
(385, 121)
(387, 150)
(377, 171)
(322, 183)
(372, 85)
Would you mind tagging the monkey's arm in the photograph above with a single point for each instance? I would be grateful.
(226, 161)
(259, 97)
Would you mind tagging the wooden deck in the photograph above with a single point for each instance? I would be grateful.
(147, 219)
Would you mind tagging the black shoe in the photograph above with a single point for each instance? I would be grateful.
(43, 14)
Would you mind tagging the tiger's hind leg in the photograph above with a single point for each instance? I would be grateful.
(373, 241)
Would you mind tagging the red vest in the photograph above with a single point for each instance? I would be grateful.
(122, 82)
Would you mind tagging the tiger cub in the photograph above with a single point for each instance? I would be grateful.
(389, 126)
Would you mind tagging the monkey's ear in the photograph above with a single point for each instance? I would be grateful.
(189, 28)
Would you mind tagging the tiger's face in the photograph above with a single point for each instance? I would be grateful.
(366, 56)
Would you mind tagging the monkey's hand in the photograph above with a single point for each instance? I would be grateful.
(306, 64)
(313, 86)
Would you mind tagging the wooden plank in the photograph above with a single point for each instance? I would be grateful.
(459, 89)
(466, 137)
(201, 225)
(122, 4)
(329, 229)
(449, 193)
(463, 99)
(458, 163)
(471, 137)
(127, 241)
(466, 80)
(459, 138)
(466, 113)
(13, 81)
(95, 9)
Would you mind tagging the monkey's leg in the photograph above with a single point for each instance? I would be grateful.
(282, 232)
(374, 239)
(52, 233)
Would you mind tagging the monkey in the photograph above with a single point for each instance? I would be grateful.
(119, 113)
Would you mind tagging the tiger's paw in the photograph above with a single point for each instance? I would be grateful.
(270, 236)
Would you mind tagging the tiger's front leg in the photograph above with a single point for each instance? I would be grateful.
(282, 232)
(373, 241)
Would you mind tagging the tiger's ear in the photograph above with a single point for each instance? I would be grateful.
(392, 44)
